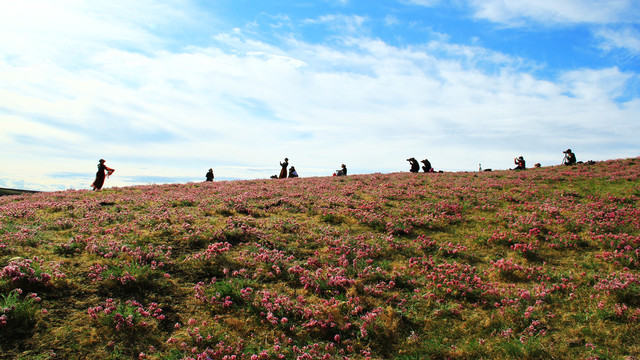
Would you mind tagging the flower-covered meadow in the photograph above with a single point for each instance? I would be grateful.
(542, 263)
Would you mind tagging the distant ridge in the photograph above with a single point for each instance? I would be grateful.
(5, 191)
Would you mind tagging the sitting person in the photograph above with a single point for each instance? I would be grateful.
(520, 164)
(292, 172)
(415, 167)
(427, 166)
(569, 158)
(343, 171)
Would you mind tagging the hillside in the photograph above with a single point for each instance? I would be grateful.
(5, 191)
(541, 263)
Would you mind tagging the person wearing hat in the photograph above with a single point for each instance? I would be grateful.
(283, 171)
(520, 164)
(569, 157)
(100, 175)
(209, 175)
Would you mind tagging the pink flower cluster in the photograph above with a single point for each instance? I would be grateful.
(333, 268)
(129, 315)
(31, 271)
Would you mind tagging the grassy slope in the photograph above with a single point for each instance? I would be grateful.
(535, 264)
(5, 191)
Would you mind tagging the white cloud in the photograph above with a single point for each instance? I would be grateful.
(626, 39)
(595, 86)
(61, 27)
(421, 2)
(391, 20)
(343, 24)
(240, 105)
(553, 12)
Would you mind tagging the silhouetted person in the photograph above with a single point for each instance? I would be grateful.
(415, 167)
(569, 158)
(342, 171)
(283, 171)
(209, 175)
(427, 166)
(520, 163)
(292, 172)
(100, 175)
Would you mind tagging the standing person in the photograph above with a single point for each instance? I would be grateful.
(283, 171)
(427, 165)
(292, 172)
(520, 163)
(100, 175)
(415, 167)
(209, 176)
(569, 158)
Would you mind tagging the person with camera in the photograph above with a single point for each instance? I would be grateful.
(427, 166)
(520, 163)
(569, 158)
(415, 167)
(283, 170)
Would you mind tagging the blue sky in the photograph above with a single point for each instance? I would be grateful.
(164, 90)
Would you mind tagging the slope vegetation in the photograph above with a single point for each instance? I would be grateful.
(541, 263)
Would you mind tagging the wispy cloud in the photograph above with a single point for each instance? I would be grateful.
(421, 2)
(240, 103)
(626, 39)
(553, 12)
(391, 20)
(342, 24)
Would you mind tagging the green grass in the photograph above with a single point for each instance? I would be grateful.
(5, 191)
(523, 265)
